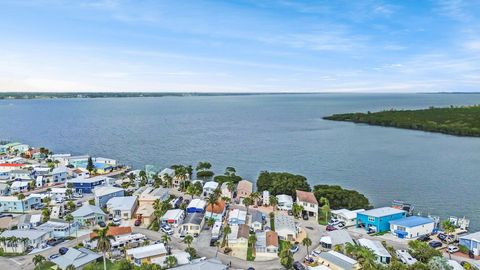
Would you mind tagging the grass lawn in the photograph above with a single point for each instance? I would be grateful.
(46, 266)
(250, 256)
(99, 265)
(321, 218)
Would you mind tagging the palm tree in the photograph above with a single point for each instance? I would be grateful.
(157, 181)
(325, 207)
(25, 241)
(181, 173)
(70, 267)
(367, 259)
(188, 240)
(171, 261)
(143, 177)
(226, 231)
(210, 222)
(12, 241)
(191, 190)
(45, 214)
(297, 210)
(247, 202)
(307, 242)
(231, 187)
(103, 243)
(252, 239)
(38, 259)
(448, 228)
(69, 218)
(3, 240)
(273, 202)
(168, 180)
(255, 196)
(166, 239)
(212, 200)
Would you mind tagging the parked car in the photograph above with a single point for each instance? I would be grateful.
(62, 250)
(305, 216)
(77, 195)
(137, 222)
(39, 206)
(213, 242)
(334, 222)
(435, 244)
(166, 229)
(53, 256)
(55, 241)
(6, 215)
(452, 249)
(102, 224)
(117, 221)
(442, 236)
(298, 266)
(424, 238)
(294, 249)
(331, 228)
(290, 212)
(78, 204)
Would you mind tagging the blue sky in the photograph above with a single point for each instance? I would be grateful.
(240, 46)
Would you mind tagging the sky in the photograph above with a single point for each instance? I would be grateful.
(240, 46)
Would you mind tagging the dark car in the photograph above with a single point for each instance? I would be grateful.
(442, 236)
(62, 250)
(53, 256)
(424, 238)
(213, 242)
(290, 212)
(435, 244)
(102, 224)
(137, 222)
(331, 228)
(298, 266)
(305, 216)
(54, 241)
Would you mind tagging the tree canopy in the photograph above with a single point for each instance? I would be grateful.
(281, 183)
(341, 198)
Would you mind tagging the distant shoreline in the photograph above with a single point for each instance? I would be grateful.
(69, 95)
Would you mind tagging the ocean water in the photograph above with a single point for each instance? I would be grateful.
(439, 174)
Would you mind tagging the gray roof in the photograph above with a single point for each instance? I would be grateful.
(76, 257)
(30, 234)
(338, 259)
(87, 210)
(194, 218)
(256, 216)
(122, 203)
(374, 245)
(209, 264)
(340, 237)
(261, 239)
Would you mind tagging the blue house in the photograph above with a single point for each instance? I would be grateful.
(13, 204)
(472, 242)
(379, 219)
(103, 194)
(86, 185)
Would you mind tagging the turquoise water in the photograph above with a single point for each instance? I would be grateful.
(439, 174)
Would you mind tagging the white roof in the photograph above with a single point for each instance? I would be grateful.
(19, 184)
(455, 265)
(383, 211)
(210, 185)
(147, 251)
(76, 257)
(237, 214)
(58, 190)
(283, 198)
(173, 214)
(472, 236)
(374, 245)
(168, 171)
(348, 214)
(102, 191)
(61, 169)
(197, 203)
(51, 225)
(122, 203)
(88, 180)
(181, 256)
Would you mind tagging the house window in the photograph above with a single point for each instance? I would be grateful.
(371, 219)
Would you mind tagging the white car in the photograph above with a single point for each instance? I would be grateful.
(334, 222)
(117, 221)
(452, 249)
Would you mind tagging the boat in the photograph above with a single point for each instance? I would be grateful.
(403, 206)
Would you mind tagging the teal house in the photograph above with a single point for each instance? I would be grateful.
(378, 219)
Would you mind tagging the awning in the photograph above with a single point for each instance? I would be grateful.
(326, 239)
(400, 232)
